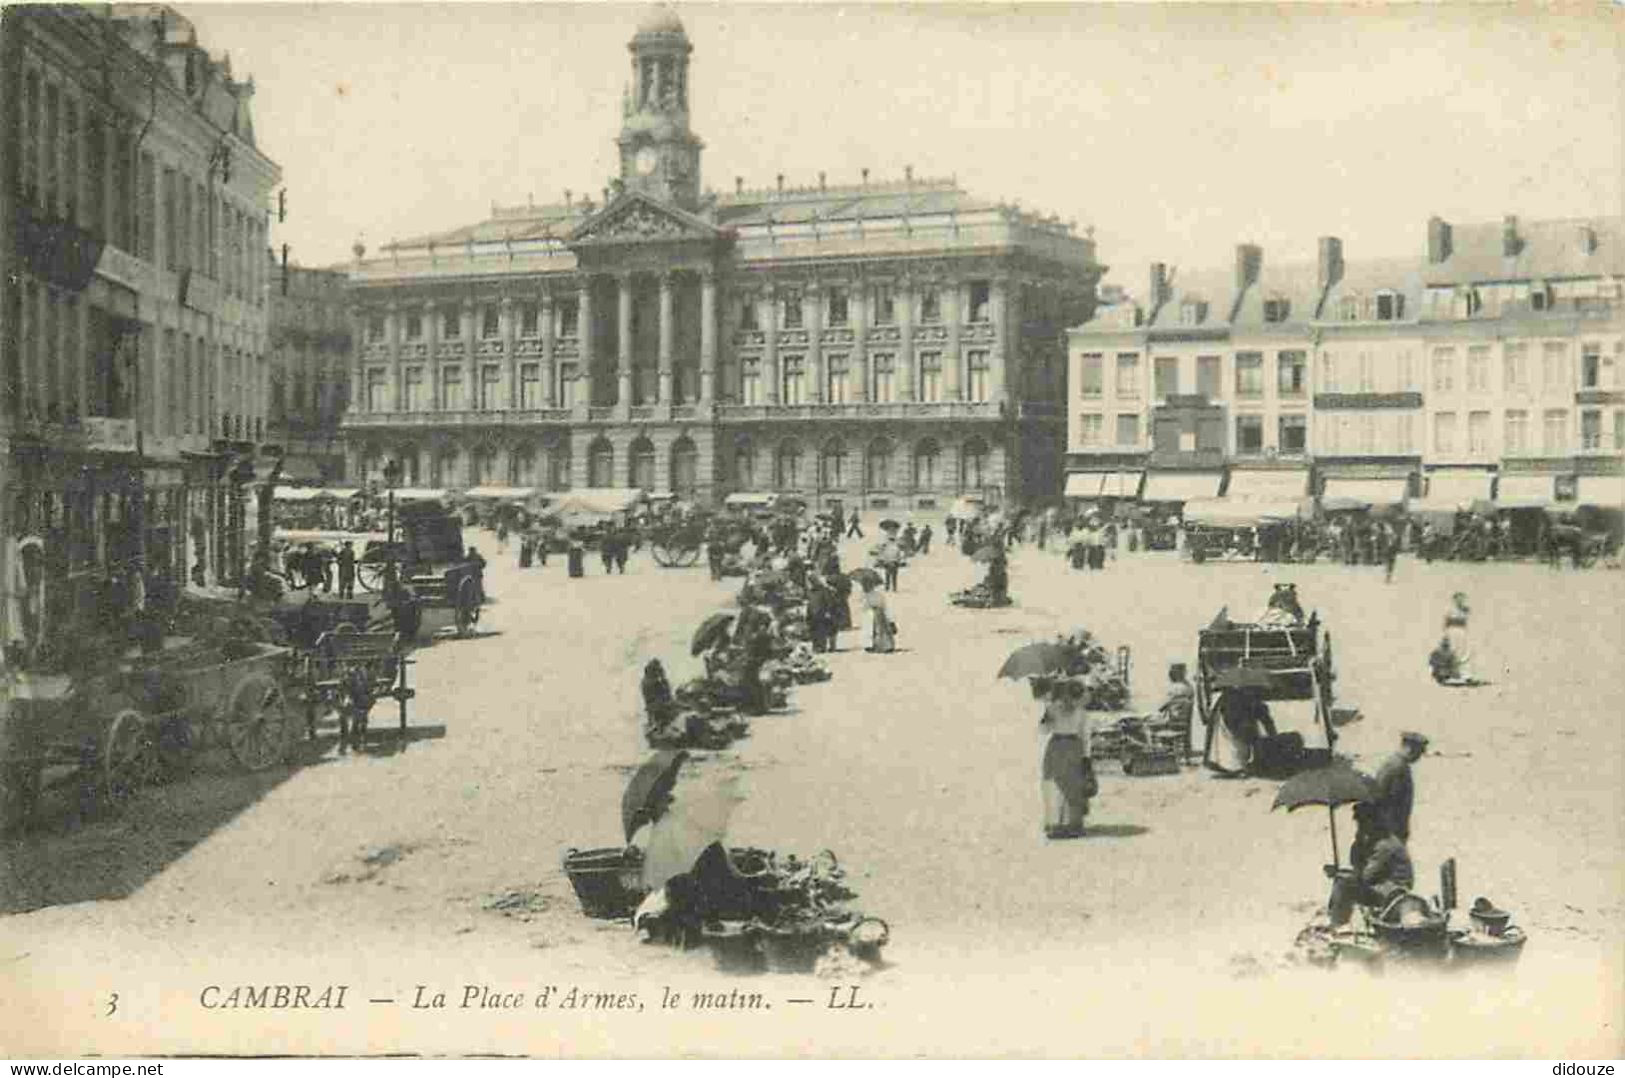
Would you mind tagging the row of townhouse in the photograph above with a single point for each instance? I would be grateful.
(1488, 367)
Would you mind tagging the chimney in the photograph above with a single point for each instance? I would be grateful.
(567, 194)
(781, 182)
(1587, 239)
(1511, 244)
(908, 173)
(606, 196)
(739, 185)
(1331, 262)
(866, 177)
(821, 181)
(1159, 285)
(1438, 240)
(1249, 261)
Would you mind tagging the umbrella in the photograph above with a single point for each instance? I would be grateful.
(865, 577)
(1338, 784)
(646, 796)
(889, 525)
(986, 554)
(697, 819)
(709, 631)
(1046, 657)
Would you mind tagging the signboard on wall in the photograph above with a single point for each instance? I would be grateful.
(103, 435)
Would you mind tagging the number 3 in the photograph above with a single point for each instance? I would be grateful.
(112, 1005)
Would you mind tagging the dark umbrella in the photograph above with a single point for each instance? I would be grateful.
(708, 632)
(650, 789)
(1338, 784)
(986, 554)
(865, 577)
(889, 525)
(1041, 659)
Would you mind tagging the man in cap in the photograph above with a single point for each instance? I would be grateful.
(1396, 792)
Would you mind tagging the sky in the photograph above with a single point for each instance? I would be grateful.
(1174, 131)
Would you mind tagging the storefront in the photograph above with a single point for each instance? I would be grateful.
(1273, 485)
(1451, 490)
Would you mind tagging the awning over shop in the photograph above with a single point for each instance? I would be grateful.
(1084, 484)
(1103, 484)
(1607, 491)
(1457, 489)
(969, 508)
(1526, 491)
(299, 494)
(1268, 485)
(419, 494)
(1374, 492)
(1227, 513)
(601, 500)
(750, 499)
(500, 493)
(1180, 486)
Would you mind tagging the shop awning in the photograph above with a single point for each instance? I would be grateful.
(419, 494)
(751, 499)
(1180, 486)
(1606, 491)
(601, 500)
(500, 493)
(1112, 484)
(1227, 513)
(1268, 485)
(302, 494)
(1526, 491)
(1457, 488)
(969, 508)
(1374, 492)
(1084, 484)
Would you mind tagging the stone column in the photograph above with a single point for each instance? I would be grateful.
(1002, 340)
(471, 366)
(905, 339)
(708, 335)
(858, 368)
(397, 374)
(623, 342)
(549, 400)
(813, 316)
(666, 329)
(952, 360)
(509, 360)
(431, 363)
(770, 353)
(585, 355)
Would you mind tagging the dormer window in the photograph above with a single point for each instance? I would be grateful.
(1276, 309)
(1540, 297)
(1390, 306)
(1472, 302)
(1192, 312)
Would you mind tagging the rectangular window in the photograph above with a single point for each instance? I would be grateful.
(1555, 367)
(490, 387)
(377, 389)
(1328, 373)
(569, 315)
(490, 322)
(885, 305)
(1128, 430)
(1517, 431)
(1291, 373)
(884, 369)
(837, 307)
(1128, 376)
(1444, 433)
(1275, 309)
(976, 388)
(451, 324)
(530, 319)
(1165, 377)
(1555, 432)
(451, 389)
(1249, 434)
(1367, 372)
(792, 310)
(375, 328)
(1407, 432)
(1619, 430)
(1249, 374)
(979, 301)
(1591, 429)
(1478, 433)
(414, 326)
(171, 361)
(1089, 381)
(1292, 434)
(1515, 373)
(1208, 377)
(147, 209)
(930, 306)
(172, 221)
(1390, 306)
(835, 377)
(1091, 428)
(747, 313)
(750, 381)
(1444, 370)
(1478, 369)
(530, 386)
(412, 389)
(931, 376)
(794, 379)
(568, 376)
(1591, 365)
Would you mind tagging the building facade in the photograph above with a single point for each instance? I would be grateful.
(884, 344)
(1487, 369)
(133, 299)
(310, 359)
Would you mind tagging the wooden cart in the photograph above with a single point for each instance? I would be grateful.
(1275, 662)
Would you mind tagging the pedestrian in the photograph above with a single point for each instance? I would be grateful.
(476, 562)
(576, 558)
(882, 629)
(715, 553)
(1455, 631)
(890, 557)
(853, 530)
(925, 539)
(621, 549)
(1066, 775)
(502, 534)
(525, 549)
(347, 570)
(1396, 788)
(1389, 539)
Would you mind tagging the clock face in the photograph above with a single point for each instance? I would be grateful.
(645, 161)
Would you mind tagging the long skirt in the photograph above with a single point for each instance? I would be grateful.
(1231, 752)
(881, 637)
(1462, 648)
(1067, 779)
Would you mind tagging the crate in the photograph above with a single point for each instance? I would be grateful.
(608, 881)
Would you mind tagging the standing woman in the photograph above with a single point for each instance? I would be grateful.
(1067, 774)
(882, 630)
(1455, 631)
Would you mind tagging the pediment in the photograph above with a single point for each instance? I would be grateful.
(635, 218)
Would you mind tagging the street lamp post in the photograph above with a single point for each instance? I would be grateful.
(392, 479)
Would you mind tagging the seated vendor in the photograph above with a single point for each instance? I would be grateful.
(1283, 607)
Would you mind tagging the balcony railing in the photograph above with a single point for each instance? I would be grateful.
(861, 410)
(456, 418)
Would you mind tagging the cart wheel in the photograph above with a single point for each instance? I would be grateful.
(662, 555)
(256, 722)
(129, 755)
(370, 575)
(686, 556)
(468, 608)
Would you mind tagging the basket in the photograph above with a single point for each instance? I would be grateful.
(608, 881)
(735, 947)
(793, 950)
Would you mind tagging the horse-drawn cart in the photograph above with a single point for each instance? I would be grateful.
(675, 542)
(115, 731)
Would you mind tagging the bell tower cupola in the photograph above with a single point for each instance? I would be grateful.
(660, 156)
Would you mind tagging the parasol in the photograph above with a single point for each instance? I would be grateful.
(986, 554)
(696, 820)
(889, 525)
(1041, 659)
(648, 793)
(709, 631)
(865, 577)
(1338, 784)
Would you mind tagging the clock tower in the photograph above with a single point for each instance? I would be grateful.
(660, 156)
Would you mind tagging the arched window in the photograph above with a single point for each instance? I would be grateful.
(973, 465)
(642, 473)
(685, 467)
(745, 464)
(522, 467)
(482, 467)
(558, 467)
(601, 464)
(877, 464)
(832, 466)
(926, 458)
(789, 467)
(445, 468)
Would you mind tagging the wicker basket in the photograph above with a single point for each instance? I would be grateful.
(793, 950)
(607, 881)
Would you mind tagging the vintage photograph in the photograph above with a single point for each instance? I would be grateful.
(812, 530)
